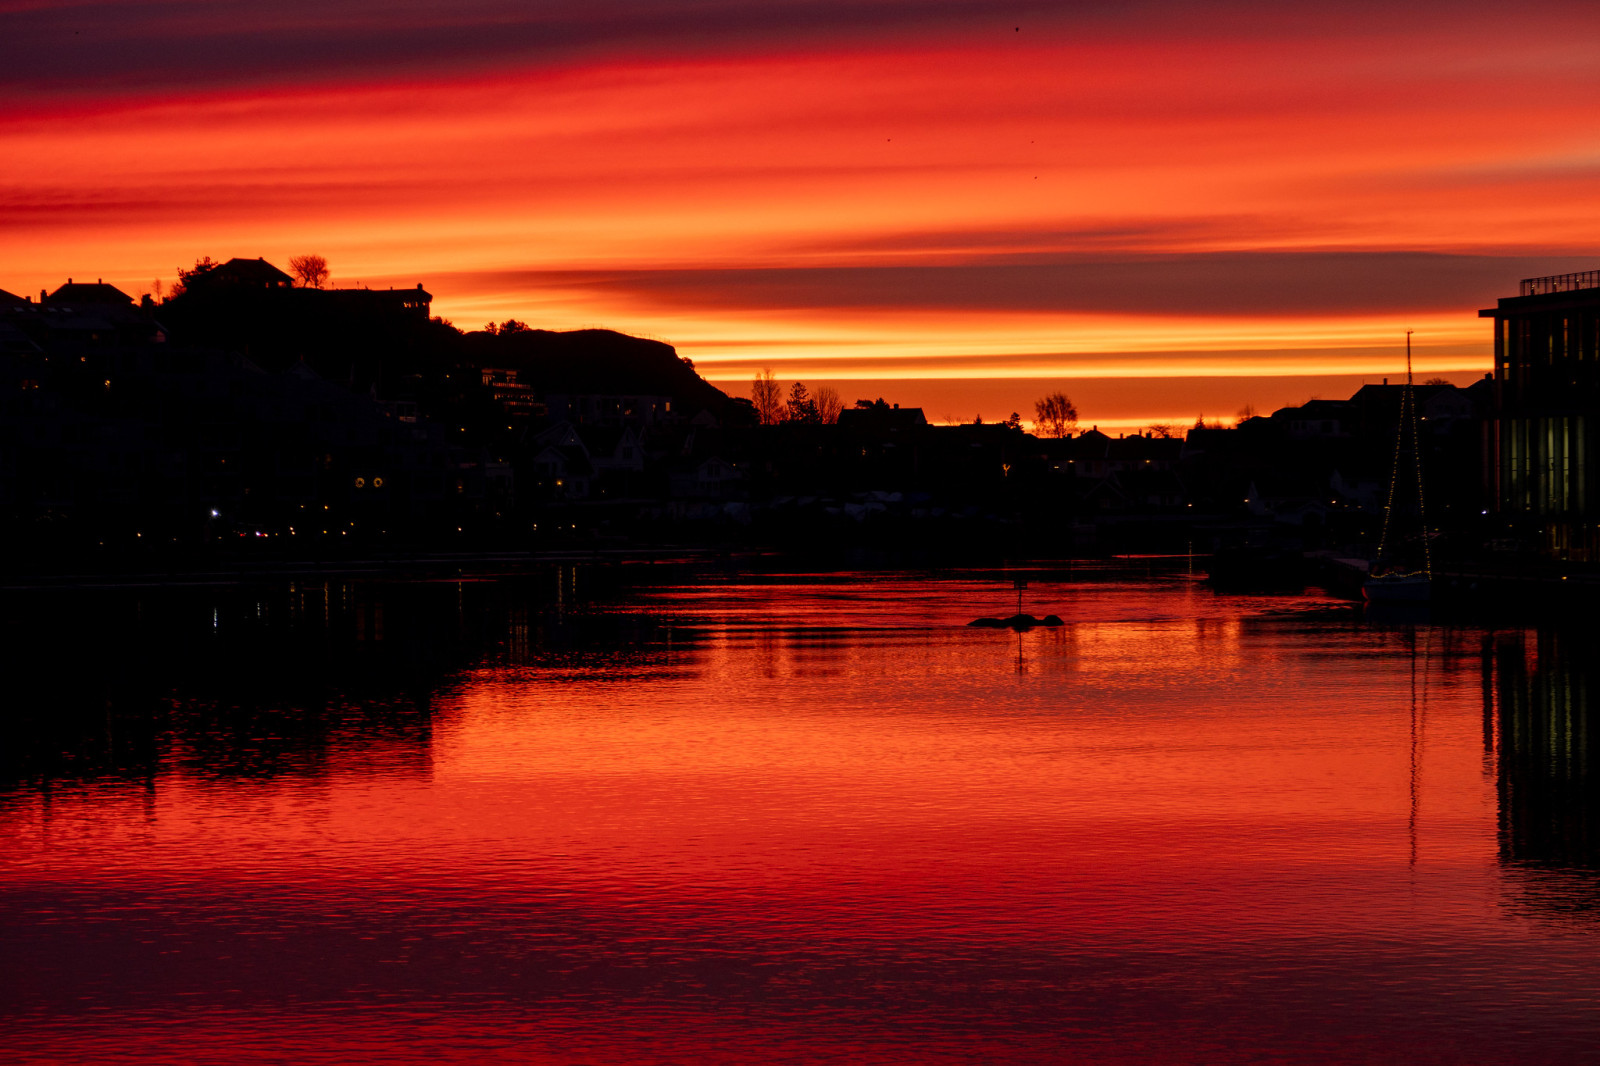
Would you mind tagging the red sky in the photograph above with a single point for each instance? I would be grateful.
(1164, 209)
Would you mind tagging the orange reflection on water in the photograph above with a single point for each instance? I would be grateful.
(806, 796)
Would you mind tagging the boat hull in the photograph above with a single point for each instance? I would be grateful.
(1410, 589)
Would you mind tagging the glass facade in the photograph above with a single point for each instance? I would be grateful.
(1547, 378)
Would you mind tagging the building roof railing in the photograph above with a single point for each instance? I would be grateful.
(1583, 279)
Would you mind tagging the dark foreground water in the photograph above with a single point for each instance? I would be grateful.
(625, 816)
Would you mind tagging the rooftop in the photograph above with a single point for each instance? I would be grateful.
(1583, 279)
(81, 292)
(237, 271)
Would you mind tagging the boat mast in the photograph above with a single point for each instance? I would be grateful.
(1416, 454)
(1407, 426)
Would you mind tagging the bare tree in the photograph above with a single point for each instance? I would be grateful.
(764, 392)
(828, 404)
(1055, 416)
(310, 270)
(1160, 430)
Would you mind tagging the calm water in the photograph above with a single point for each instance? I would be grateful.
(634, 815)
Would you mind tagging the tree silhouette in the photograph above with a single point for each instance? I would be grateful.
(203, 265)
(1055, 415)
(801, 407)
(310, 270)
(828, 404)
(764, 393)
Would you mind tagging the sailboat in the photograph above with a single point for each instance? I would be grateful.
(1393, 579)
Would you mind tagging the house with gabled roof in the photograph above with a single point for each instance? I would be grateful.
(247, 274)
(880, 418)
(1297, 497)
(82, 315)
(562, 466)
(617, 448)
(708, 478)
(1319, 419)
(83, 294)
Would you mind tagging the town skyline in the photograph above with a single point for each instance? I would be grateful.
(1116, 403)
(263, 413)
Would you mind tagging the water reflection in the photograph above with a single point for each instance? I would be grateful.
(685, 817)
(1547, 753)
(301, 678)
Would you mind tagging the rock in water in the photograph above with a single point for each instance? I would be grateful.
(1018, 622)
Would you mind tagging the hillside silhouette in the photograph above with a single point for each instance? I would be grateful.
(384, 341)
(592, 361)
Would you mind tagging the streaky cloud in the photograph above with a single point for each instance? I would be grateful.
(1219, 283)
(72, 47)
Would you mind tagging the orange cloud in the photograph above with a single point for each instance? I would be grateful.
(513, 192)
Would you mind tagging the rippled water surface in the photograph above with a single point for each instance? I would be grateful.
(590, 816)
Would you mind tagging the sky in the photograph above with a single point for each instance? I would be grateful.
(1164, 209)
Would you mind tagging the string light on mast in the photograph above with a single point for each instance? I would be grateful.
(1407, 428)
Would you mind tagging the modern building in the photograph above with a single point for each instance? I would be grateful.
(1546, 425)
